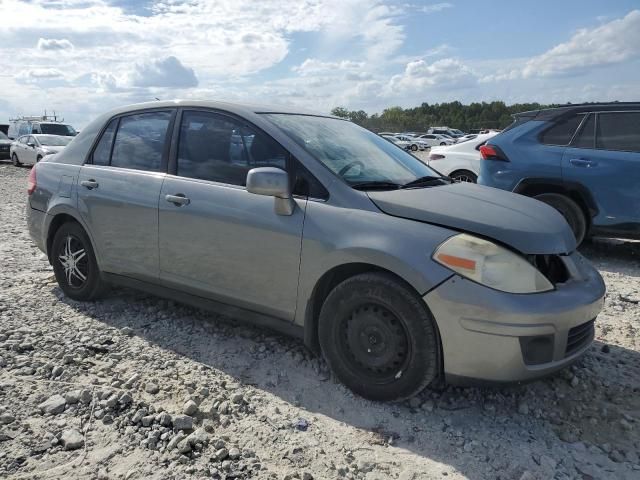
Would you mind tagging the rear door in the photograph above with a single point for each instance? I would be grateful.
(604, 156)
(118, 192)
(217, 239)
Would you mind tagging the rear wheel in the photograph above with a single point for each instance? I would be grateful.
(379, 338)
(570, 210)
(15, 161)
(74, 263)
(464, 176)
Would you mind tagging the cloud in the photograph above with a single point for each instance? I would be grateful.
(36, 74)
(313, 66)
(53, 44)
(434, 7)
(447, 73)
(168, 72)
(612, 43)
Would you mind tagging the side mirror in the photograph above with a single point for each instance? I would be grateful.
(272, 182)
(32, 145)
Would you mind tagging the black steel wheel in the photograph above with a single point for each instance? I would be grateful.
(15, 161)
(379, 337)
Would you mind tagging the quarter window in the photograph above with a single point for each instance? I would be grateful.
(103, 150)
(217, 148)
(562, 132)
(619, 131)
(140, 140)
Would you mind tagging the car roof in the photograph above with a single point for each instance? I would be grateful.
(237, 108)
(556, 112)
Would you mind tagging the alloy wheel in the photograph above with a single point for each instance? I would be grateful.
(74, 261)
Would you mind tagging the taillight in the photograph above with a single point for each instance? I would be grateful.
(436, 156)
(491, 152)
(32, 183)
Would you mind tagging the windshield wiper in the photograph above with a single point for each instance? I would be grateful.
(425, 181)
(376, 184)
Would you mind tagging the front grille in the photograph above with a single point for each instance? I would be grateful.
(579, 336)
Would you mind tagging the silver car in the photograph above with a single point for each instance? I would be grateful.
(30, 149)
(321, 229)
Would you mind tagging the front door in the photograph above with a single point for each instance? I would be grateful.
(217, 239)
(604, 156)
(118, 193)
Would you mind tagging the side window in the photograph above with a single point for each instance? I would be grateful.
(103, 150)
(306, 184)
(586, 137)
(562, 131)
(140, 141)
(619, 131)
(32, 140)
(23, 140)
(36, 128)
(217, 148)
(24, 129)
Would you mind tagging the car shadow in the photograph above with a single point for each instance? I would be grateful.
(473, 431)
(613, 255)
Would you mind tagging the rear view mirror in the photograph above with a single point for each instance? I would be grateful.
(272, 182)
(32, 145)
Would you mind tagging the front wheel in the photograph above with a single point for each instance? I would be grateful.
(379, 338)
(39, 158)
(414, 148)
(571, 212)
(15, 161)
(74, 263)
(443, 144)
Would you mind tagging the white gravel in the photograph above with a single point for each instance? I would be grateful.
(137, 387)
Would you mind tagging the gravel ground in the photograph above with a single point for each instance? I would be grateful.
(137, 387)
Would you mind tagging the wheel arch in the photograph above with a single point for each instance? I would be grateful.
(463, 170)
(58, 219)
(327, 282)
(574, 190)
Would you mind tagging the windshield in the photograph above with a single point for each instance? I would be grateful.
(351, 152)
(53, 140)
(3, 136)
(57, 129)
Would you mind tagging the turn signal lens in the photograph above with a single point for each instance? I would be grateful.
(491, 265)
(32, 183)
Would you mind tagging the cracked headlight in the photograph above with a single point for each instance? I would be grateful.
(491, 265)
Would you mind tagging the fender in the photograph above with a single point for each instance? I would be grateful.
(533, 186)
(69, 210)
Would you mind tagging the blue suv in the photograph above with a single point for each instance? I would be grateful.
(584, 160)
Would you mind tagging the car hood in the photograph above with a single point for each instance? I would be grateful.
(520, 222)
(6, 142)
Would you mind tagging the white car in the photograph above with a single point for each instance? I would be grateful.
(415, 143)
(461, 161)
(435, 139)
(30, 149)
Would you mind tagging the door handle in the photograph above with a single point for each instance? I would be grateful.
(178, 199)
(583, 162)
(90, 184)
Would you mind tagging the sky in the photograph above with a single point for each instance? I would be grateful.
(84, 57)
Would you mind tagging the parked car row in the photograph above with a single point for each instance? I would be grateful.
(399, 277)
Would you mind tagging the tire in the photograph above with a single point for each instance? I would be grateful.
(443, 144)
(374, 311)
(85, 264)
(39, 158)
(15, 161)
(464, 176)
(414, 148)
(571, 212)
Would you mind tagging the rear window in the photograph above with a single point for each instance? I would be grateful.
(140, 141)
(586, 137)
(619, 131)
(562, 131)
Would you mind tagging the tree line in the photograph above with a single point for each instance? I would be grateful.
(452, 114)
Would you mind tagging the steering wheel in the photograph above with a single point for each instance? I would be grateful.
(349, 166)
